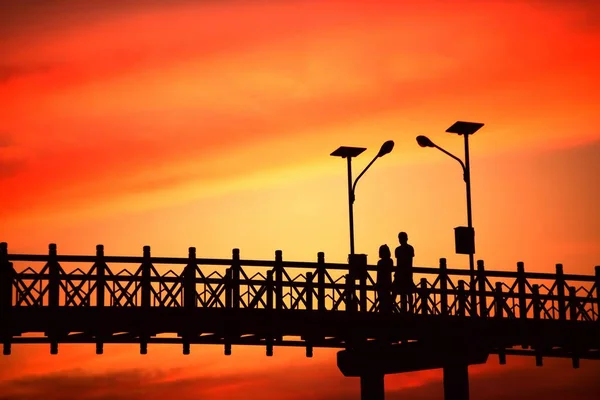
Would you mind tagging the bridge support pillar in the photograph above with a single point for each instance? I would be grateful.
(372, 363)
(456, 382)
(372, 387)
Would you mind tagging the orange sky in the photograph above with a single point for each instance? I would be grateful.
(210, 124)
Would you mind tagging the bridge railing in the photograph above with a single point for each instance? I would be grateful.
(191, 282)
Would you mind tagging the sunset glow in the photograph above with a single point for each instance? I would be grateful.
(210, 124)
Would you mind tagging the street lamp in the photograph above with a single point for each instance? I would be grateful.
(349, 153)
(464, 237)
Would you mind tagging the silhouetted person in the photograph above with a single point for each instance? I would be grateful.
(385, 265)
(403, 279)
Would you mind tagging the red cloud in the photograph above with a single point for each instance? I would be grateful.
(556, 380)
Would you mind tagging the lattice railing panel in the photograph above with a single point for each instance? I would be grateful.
(82, 281)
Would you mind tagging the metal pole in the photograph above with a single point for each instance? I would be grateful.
(350, 207)
(469, 212)
(473, 308)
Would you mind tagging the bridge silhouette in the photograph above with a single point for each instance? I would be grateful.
(456, 321)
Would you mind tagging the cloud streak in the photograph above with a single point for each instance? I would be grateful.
(201, 90)
(6, 140)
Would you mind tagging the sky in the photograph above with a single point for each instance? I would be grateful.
(210, 124)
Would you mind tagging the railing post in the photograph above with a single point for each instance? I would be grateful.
(443, 287)
(146, 287)
(7, 276)
(100, 276)
(560, 292)
(54, 280)
(537, 311)
(573, 314)
(522, 285)
(6, 286)
(279, 304)
(424, 296)
(146, 271)
(481, 282)
(321, 281)
(228, 306)
(309, 307)
(499, 299)
(573, 306)
(363, 289)
(349, 293)
(461, 298)
(474, 311)
(535, 294)
(235, 269)
(597, 292)
(228, 289)
(53, 294)
(3, 252)
(6, 282)
(269, 285)
(278, 280)
(309, 291)
(189, 281)
(100, 266)
(269, 293)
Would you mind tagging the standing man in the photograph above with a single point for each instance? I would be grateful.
(403, 280)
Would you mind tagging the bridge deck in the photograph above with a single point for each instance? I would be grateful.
(80, 299)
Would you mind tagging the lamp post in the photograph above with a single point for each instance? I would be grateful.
(349, 153)
(371, 385)
(465, 238)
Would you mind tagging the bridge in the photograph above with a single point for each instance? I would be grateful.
(456, 320)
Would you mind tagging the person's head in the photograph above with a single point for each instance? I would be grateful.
(403, 237)
(384, 251)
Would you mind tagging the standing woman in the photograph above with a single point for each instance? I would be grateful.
(385, 265)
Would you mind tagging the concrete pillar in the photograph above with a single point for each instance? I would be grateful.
(456, 382)
(372, 387)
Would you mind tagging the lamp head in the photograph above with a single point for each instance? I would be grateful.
(386, 148)
(424, 141)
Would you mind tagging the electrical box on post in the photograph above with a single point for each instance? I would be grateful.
(358, 265)
(464, 239)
